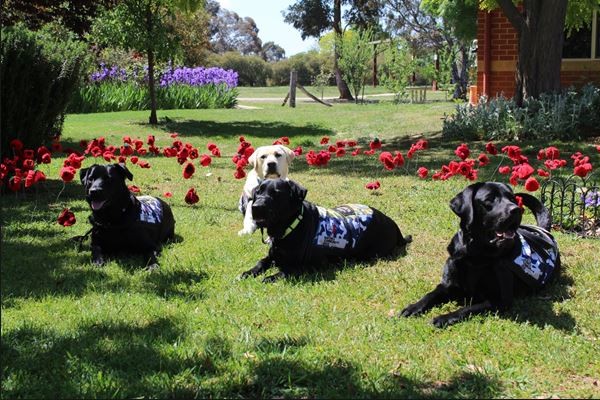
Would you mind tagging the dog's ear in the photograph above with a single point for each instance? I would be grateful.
(462, 205)
(252, 158)
(83, 173)
(297, 192)
(123, 169)
(289, 154)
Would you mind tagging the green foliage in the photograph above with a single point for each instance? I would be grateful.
(355, 54)
(38, 75)
(567, 116)
(114, 96)
(396, 72)
(252, 70)
(307, 65)
(459, 15)
(322, 80)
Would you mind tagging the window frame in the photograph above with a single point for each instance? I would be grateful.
(594, 55)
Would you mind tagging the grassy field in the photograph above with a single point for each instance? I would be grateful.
(190, 329)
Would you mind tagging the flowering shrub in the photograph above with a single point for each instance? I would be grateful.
(115, 89)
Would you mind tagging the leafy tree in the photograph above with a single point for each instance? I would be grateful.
(395, 74)
(355, 54)
(230, 32)
(315, 17)
(272, 52)
(76, 16)
(192, 29)
(140, 25)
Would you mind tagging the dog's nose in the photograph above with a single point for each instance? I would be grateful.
(271, 165)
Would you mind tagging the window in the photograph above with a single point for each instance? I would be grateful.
(584, 43)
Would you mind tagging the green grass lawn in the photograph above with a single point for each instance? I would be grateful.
(71, 330)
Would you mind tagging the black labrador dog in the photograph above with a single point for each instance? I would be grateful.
(122, 222)
(305, 236)
(493, 258)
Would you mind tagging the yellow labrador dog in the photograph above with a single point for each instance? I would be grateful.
(268, 162)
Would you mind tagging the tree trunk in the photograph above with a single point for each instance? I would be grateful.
(341, 84)
(153, 120)
(540, 31)
(460, 72)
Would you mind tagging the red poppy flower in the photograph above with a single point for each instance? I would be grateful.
(325, 140)
(241, 139)
(14, 183)
(28, 154)
(462, 151)
(134, 189)
(598, 148)
(56, 147)
(554, 164)
(134, 159)
(138, 144)
(126, 150)
(189, 170)
(142, 152)
(483, 160)
(285, 140)
(422, 172)
(543, 173)
(523, 171)
(239, 173)
(16, 145)
(28, 164)
(66, 218)
(491, 148)
(216, 152)
(398, 159)
(30, 178)
(177, 144)
(514, 153)
(39, 177)
(67, 174)
(150, 140)
(387, 160)
(375, 144)
(191, 197)
(126, 139)
(549, 153)
(351, 143)
(210, 146)
(421, 144)
(194, 154)
(519, 201)
(248, 151)
(174, 135)
(340, 152)
(108, 156)
(143, 164)
(531, 184)
(298, 151)
(340, 143)
(356, 152)
(205, 160)
(369, 152)
(332, 149)
(583, 170)
(514, 179)
(168, 194)
(96, 151)
(373, 185)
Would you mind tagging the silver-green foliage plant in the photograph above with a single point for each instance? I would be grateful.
(321, 80)
(397, 69)
(355, 54)
(568, 115)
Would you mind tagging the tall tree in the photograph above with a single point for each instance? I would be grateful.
(540, 26)
(272, 52)
(140, 25)
(314, 17)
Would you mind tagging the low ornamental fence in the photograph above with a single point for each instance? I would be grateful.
(574, 204)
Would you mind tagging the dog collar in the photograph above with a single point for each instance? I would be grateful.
(294, 223)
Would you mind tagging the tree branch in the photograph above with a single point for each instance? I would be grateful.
(512, 13)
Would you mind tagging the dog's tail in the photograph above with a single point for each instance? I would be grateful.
(541, 213)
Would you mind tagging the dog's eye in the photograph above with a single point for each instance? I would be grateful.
(277, 155)
(263, 156)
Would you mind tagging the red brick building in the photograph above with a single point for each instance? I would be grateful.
(497, 50)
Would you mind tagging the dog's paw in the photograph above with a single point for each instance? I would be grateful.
(245, 275)
(442, 321)
(246, 231)
(274, 277)
(411, 310)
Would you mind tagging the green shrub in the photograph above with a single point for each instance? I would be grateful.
(125, 96)
(38, 74)
(252, 70)
(307, 65)
(566, 116)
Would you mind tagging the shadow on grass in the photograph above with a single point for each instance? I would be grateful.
(233, 129)
(276, 377)
(39, 258)
(101, 360)
(538, 310)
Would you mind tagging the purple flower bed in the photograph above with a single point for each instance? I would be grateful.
(198, 76)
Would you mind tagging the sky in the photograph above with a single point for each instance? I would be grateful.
(271, 28)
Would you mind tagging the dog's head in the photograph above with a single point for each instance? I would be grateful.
(489, 214)
(105, 184)
(271, 161)
(275, 202)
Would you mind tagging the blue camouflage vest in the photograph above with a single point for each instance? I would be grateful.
(537, 257)
(341, 227)
(150, 210)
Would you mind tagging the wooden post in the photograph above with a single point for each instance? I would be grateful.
(293, 79)
(375, 65)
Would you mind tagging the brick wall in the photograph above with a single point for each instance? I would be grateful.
(498, 76)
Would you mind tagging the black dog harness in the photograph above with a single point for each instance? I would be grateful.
(536, 258)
